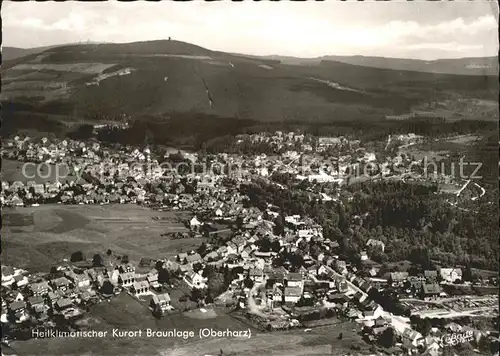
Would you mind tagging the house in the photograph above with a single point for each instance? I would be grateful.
(341, 285)
(192, 259)
(194, 224)
(374, 314)
(292, 294)
(450, 274)
(338, 298)
(195, 280)
(18, 309)
(140, 288)
(152, 279)
(86, 295)
(294, 280)
(430, 291)
(256, 275)
(40, 288)
(376, 243)
(276, 295)
(210, 257)
(239, 242)
(183, 269)
(161, 302)
(398, 278)
(80, 280)
(365, 286)
(20, 280)
(277, 277)
(54, 296)
(416, 282)
(7, 275)
(126, 279)
(380, 321)
(341, 266)
(431, 276)
(64, 303)
(61, 283)
(266, 256)
(37, 305)
(222, 251)
(377, 330)
(247, 251)
(412, 337)
(181, 257)
(363, 255)
(114, 276)
(373, 272)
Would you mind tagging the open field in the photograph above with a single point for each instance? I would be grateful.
(126, 313)
(40, 173)
(42, 236)
(86, 68)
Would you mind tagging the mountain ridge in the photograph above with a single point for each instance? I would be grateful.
(461, 66)
(160, 79)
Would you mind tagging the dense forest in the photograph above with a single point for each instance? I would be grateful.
(414, 223)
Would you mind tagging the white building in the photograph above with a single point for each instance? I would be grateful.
(140, 288)
(195, 280)
(450, 274)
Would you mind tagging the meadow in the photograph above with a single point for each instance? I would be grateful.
(41, 237)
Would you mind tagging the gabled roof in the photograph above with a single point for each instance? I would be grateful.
(61, 281)
(293, 291)
(61, 303)
(411, 334)
(193, 258)
(161, 298)
(433, 288)
(17, 305)
(399, 276)
(127, 275)
(256, 272)
(295, 277)
(35, 300)
(152, 278)
(39, 287)
(140, 285)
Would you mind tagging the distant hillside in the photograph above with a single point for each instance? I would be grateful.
(10, 53)
(459, 66)
(165, 79)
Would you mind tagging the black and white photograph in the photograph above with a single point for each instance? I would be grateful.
(241, 178)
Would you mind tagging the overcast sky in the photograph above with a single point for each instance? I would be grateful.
(425, 30)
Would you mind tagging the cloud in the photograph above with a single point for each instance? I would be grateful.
(266, 28)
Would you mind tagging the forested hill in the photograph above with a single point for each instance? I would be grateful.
(414, 223)
(166, 79)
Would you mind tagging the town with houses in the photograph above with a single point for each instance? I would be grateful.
(311, 285)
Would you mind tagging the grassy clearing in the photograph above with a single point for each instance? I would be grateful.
(45, 173)
(85, 68)
(56, 231)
